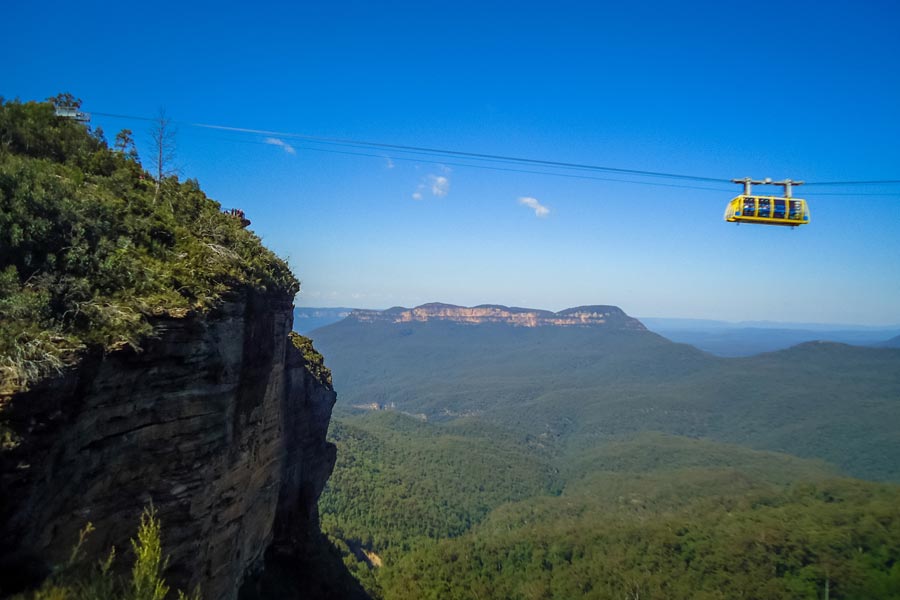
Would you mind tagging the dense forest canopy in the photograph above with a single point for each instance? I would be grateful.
(592, 462)
(89, 250)
(829, 401)
(465, 509)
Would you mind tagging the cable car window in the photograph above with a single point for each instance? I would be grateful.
(796, 210)
(778, 211)
(749, 206)
(764, 207)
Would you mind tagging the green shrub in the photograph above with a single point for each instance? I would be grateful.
(87, 254)
(315, 362)
(77, 581)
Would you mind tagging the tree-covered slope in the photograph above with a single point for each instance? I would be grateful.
(442, 369)
(89, 250)
(625, 539)
(459, 509)
(400, 483)
(398, 479)
(578, 385)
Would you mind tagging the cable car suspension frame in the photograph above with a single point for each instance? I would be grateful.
(782, 210)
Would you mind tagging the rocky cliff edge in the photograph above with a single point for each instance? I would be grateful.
(219, 421)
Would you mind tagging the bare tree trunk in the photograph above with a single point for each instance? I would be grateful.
(163, 136)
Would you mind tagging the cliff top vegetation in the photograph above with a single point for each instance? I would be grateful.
(315, 362)
(90, 249)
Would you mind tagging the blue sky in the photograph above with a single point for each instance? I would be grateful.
(807, 90)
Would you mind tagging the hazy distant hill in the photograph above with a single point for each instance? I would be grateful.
(747, 338)
(672, 323)
(443, 367)
(584, 383)
(894, 342)
(308, 318)
(722, 338)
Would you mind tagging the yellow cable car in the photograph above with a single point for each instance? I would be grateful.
(767, 210)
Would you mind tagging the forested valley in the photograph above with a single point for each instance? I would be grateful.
(609, 464)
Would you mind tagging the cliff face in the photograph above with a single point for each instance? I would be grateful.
(218, 422)
(582, 316)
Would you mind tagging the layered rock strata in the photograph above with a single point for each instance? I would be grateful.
(218, 421)
(582, 316)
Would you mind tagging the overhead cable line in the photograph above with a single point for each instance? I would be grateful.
(435, 151)
(871, 182)
(474, 155)
(394, 157)
(478, 156)
(491, 168)
(858, 194)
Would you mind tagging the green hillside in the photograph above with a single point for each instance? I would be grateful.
(591, 464)
(89, 249)
(434, 367)
(578, 386)
(399, 482)
(736, 540)
(450, 510)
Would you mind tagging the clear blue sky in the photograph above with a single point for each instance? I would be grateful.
(807, 90)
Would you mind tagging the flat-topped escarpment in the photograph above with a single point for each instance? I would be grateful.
(582, 316)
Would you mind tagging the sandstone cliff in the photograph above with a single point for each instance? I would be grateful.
(582, 316)
(219, 421)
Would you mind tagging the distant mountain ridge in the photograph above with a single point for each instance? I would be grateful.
(894, 342)
(581, 316)
(308, 318)
(747, 338)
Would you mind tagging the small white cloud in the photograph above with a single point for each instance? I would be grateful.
(539, 209)
(277, 142)
(390, 163)
(440, 185)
